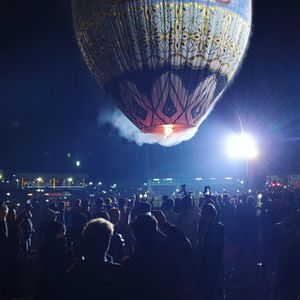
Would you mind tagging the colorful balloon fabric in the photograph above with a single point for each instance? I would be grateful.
(164, 62)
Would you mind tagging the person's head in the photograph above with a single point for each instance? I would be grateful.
(219, 199)
(251, 201)
(165, 198)
(108, 201)
(226, 198)
(144, 208)
(208, 214)
(85, 205)
(96, 237)
(168, 204)
(144, 228)
(114, 214)
(99, 203)
(77, 203)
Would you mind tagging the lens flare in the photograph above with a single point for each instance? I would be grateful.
(242, 146)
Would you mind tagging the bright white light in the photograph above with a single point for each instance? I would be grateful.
(7, 194)
(242, 146)
(91, 183)
(40, 179)
(198, 178)
(78, 163)
(168, 130)
(70, 179)
(99, 183)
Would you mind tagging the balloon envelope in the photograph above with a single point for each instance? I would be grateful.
(164, 62)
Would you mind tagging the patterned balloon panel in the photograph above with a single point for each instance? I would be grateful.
(163, 62)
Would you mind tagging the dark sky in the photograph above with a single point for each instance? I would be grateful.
(50, 102)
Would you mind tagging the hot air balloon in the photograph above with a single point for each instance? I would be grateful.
(165, 63)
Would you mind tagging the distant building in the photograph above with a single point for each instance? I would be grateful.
(52, 180)
(291, 181)
(218, 185)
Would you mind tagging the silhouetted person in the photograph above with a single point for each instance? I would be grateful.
(52, 262)
(286, 239)
(188, 220)
(148, 273)
(92, 276)
(97, 207)
(183, 267)
(168, 210)
(85, 205)
(117, 247)
(79, 220)
(211, 235)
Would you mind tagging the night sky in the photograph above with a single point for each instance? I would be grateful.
(50, 102)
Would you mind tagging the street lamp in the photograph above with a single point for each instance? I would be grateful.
(39, 180)
(242, 146)
(70, 180)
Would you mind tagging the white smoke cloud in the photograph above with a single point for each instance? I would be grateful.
(129, 131)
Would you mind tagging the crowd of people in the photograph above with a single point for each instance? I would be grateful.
(218, 246)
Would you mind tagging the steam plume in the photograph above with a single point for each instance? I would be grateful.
(127, 130)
